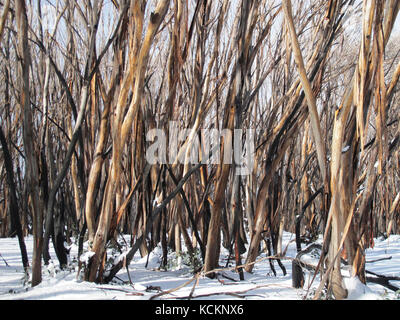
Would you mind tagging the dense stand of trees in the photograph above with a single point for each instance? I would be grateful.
(85, 83)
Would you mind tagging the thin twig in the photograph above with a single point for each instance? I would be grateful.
(173, 290)
(381, 259)
(232, 293)
(194, 285)
(122, 290)
(4, 260)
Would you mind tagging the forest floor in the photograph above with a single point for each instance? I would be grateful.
(145, 279)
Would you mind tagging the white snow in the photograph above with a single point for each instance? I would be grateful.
(147, 281)
(85, 257)
(345, 149)
(356, 290)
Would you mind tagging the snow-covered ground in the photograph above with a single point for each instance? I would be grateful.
(148, 282)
